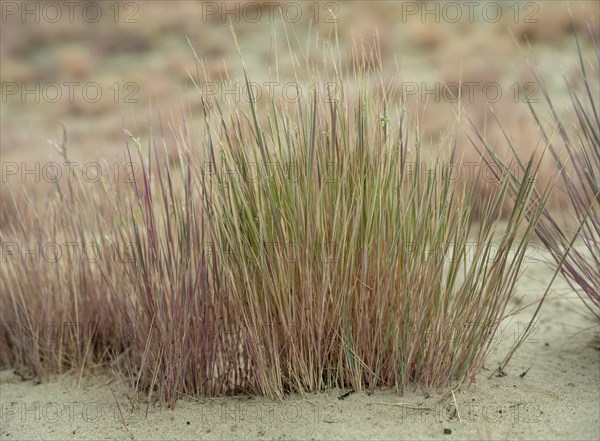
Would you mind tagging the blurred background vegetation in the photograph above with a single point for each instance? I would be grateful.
(139, 56)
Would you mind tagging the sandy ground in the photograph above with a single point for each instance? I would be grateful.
(558, 397)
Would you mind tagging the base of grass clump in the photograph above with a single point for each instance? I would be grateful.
(310, 254)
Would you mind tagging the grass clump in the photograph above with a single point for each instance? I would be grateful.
(318, 249)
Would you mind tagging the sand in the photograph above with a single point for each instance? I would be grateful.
(558, 397)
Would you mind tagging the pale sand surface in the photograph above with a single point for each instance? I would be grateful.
(559, 397)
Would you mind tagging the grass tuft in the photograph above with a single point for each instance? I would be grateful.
(285, 248)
